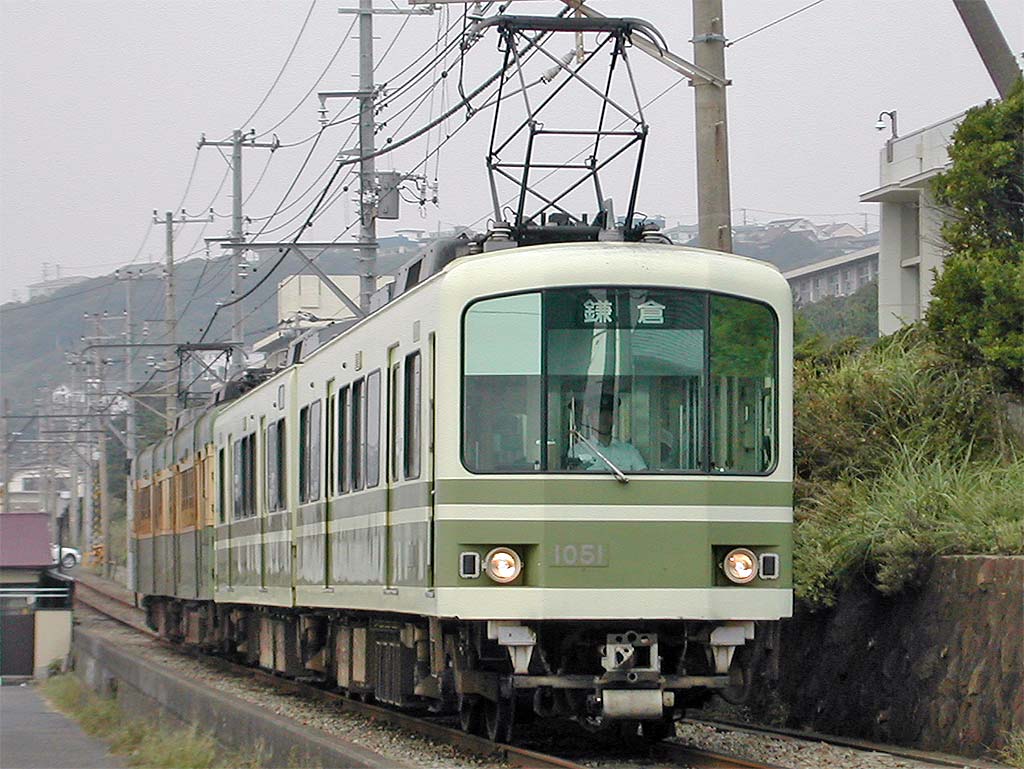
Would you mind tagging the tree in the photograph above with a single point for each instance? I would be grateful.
(977, 310)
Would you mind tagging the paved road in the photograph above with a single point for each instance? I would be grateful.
(34, 736)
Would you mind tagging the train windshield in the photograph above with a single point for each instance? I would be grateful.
(650, 380)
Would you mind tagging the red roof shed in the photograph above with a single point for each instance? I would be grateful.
(25, 541)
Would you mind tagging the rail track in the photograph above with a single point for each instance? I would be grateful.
(117, 604)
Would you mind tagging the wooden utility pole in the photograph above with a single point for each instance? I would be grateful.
(714, 219)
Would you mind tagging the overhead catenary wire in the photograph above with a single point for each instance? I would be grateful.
(405, 140)
(773, 23)
(340, 165)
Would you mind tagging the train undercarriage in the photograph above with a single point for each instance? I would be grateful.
(634, 676)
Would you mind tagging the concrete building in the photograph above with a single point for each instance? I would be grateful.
(839, 276)
(911, 247)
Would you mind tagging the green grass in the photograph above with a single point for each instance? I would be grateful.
(146, 745)
(889, 528)
(1012, 753)
(902, 455)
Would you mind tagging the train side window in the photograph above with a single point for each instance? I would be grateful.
(329, 441)
(393, 422)
(304, 455)
(245, 497)
(251, 480)
(355, 443)
(373, 429)
(282, 465)
(412, 417)
(236, 467)
(314, 451)
(744, 386)
(344, 415)
(309, 453)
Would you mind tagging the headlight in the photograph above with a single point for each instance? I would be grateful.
(740, 565)
(503, 564)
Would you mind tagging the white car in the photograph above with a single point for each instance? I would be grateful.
(69, 556)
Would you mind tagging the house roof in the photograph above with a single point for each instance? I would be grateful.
(25, 541)
(828, 264)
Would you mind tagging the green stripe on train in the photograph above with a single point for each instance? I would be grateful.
(590, 491)
(654, 554)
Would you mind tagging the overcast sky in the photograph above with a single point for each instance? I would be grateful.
(101, 105)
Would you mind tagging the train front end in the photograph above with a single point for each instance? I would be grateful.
(613, 502)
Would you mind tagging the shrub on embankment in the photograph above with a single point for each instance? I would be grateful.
(144, 744)
(902, 455)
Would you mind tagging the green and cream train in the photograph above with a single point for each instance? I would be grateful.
(550, 480)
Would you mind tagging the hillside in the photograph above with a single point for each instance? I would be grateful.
(35, 336)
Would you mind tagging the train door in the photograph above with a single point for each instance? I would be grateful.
(391, 464)
(172, 512)
(262, 503)
(330, 474)
(431, 470)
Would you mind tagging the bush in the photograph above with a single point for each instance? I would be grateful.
(145, 744)
(901, 455)
(888, 529)
(855, 410)
(977, 310)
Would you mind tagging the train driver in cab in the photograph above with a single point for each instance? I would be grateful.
(588, 453)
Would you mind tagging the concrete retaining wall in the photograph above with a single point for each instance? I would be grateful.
(941, 668)
(146, 688)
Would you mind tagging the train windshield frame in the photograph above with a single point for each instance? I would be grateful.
(657, 381)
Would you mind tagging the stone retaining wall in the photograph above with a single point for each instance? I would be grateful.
(941, 668)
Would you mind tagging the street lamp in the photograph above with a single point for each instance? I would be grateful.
(880, 126)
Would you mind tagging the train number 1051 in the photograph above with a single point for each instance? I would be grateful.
(579, 555)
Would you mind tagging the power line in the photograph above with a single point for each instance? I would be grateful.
(773, 23)
(284, 66)
(305, 96)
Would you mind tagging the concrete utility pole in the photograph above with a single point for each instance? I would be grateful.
(97, 406)
(72, 408)
(239, 139)
(367, 167)
(170, 312)
(130, 275)
(366, 95)
(992, 47)
(714, 219)
(5, 462)
(99, 379)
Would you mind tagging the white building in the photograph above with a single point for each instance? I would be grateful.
(47, 287)
(911, 246)
(839, 276)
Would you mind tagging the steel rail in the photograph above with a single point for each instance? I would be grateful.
(126, 613)
(924, 756)
(134, 618)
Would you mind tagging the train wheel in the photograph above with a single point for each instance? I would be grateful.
(498, 717)
(471, 714)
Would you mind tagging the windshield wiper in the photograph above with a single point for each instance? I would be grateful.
(620, 476)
